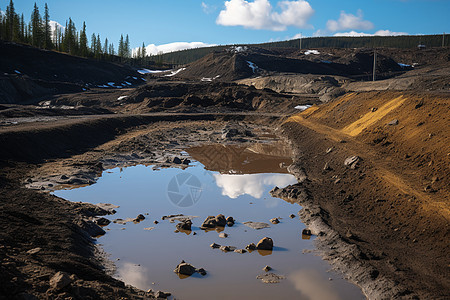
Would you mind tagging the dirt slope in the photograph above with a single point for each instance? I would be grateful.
(394, 205)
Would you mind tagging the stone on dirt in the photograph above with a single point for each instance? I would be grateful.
(393, 122)
(352, 161)
(265, 244)
(60, 280)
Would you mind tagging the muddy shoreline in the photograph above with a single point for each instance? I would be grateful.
(343, 215)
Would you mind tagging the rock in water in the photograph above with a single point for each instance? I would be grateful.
(60, 280)
(230, 221)
(185, 269)
(306, 231)
(251, 246)
(223, 235)
(185, 225)
(214, 245)
(210, 222)
(267, 269)
(274, 221)
(270, 278)
(220, 220)
(265, 244)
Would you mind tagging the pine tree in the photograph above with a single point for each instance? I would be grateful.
(36, 27)
(144, 50)
(10, 20)
(121, 46)
(105, 46)
(22, 29)
(83, 41)
(127, 50)
(93, 43)
(1, 25)
(111, 49)
(47, 29)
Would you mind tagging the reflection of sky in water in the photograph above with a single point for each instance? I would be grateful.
(313, 285)
(148, 257)
(253, 185)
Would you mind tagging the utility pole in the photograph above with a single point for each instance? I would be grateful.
(301, 35)
(374, 64)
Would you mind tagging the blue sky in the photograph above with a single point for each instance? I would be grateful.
(239, 21)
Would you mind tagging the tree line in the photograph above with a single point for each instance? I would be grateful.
(39, 33)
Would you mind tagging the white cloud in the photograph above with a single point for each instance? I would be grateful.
(259, 14)
(208, 9)
(378, 33)
(349, 21)
(153, 49)
(234, 186)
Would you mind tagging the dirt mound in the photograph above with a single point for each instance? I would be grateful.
(28, 73)
(393, 204)
(160, 96)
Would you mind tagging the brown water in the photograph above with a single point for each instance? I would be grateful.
(229, 180)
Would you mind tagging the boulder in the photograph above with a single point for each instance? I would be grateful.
(60, 280)
(265, 244)
(185, 269)
(230, 221)
(185, 225)
(210, 222)
(251, 246)
(220, 220)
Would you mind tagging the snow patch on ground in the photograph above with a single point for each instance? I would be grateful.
(209, 79)
(18, 72)
(147, 71)
(173, 73)
(122, 97)
(404, 65)
(237, 49)
(308, 52)
(252, 66)
(302, 107)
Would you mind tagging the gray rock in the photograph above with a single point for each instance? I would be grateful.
(267, 269)
(270, 278)
(140, 217)
(185, 269)
(256, 225)
(326, 167)
(201, 271)
(241, 251)
(393, 122)
(60, 280)
(292, 216)
(265, 244)
(352, 161)
(176, 160)
(186, 161)
(34, 251)
(298, 172)
(210, 222)
(223, 235)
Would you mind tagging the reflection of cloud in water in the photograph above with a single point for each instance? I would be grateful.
(133, 275)
(250, 184)
(313, 285)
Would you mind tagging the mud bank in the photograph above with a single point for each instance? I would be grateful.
(383, 220)
(42, 234)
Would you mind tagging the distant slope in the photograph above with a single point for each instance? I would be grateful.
(27, 72)
(407, 41)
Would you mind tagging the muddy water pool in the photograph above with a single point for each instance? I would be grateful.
(230, 180)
